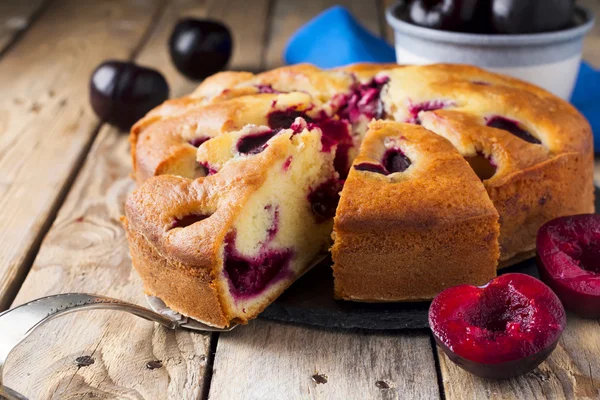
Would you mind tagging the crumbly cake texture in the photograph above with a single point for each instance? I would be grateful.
(221, 248)
(408, 235)
(532, 151)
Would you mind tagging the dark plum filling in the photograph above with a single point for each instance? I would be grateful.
(255, 142)
(187, 220)
(207, 169)
(283, 119)
(378, 168)
(483, 166)
(266, 89)
(341, 162)
(512, 127)
(335, 132)
(197, 142)
(394, 160)
(287, 163)
(248, 276)
(363, 100)
(499, 330)
(415, 109)
(272, 231)
(569, 261)
(324, 200)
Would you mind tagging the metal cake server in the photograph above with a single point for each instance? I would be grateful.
(17, 323)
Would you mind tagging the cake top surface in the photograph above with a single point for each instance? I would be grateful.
(189, 218)
(405, 173)
(512, 124)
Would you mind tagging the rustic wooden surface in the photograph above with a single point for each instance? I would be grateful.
(46, 124)
(48, 192)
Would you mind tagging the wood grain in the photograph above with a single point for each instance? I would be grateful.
(269, 360)
(248, 21)
(388, 32)
(15, 17)
(86, 250)
(591, 44)
(289, 15)
(45, 123)
(572, 371)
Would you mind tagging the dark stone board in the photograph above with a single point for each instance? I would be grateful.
(310, 301)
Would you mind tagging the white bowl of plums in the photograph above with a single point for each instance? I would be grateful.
(539, 41)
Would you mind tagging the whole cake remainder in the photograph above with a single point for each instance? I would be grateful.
(443, 173)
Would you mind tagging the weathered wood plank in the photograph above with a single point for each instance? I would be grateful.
(268, 360)
(591, 45)
(572, 371)
(289, 15)
(15, 17)
(275, 361)
(247, 21)
(86, 250)
(388, 32)
(45, 123)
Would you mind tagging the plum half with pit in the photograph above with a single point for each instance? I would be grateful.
(568, 255)
(500, 330)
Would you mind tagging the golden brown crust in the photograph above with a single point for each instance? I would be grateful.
(532, 183)
(188, 290)
(184, 264)
(408, 235)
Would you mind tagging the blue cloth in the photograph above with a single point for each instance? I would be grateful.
(334, 38)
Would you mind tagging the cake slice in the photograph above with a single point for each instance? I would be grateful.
(413, 219)
(221, 248)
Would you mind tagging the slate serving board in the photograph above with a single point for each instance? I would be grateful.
(309, 301)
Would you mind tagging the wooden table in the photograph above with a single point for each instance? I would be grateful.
(63, 182)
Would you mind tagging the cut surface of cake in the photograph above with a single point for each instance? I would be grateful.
(477, 149)
(222, 247)
(531, 149)
(413, 219)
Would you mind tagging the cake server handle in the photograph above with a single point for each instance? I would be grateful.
(17, 323)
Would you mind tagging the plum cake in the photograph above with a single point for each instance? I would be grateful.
(413, 219)
(220, 248)
(528, 151)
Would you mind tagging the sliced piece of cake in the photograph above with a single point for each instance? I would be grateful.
(222, 247)
(413, 219)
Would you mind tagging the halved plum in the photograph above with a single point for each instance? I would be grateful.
(502, 329)
(568, 254)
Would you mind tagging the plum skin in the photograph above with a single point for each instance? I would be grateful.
(578, 288)
(122, 92)
(506, 370)
(500, 330)
(200, 48)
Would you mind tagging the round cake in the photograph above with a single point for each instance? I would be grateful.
(449, 172)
